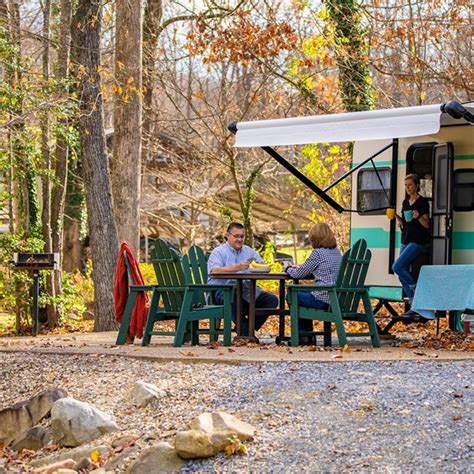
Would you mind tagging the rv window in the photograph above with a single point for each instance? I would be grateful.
(371, 193)
(464, 190)
(419, 161)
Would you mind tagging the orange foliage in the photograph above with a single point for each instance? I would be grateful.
(240, 42)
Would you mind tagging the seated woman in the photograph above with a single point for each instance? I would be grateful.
(323, 264)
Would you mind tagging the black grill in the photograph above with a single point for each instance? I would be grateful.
(35, 261)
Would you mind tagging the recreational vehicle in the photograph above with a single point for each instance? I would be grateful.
(436, 142)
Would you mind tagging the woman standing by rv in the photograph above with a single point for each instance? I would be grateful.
(415, 226)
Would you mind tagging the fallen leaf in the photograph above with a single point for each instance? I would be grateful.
(336, 356)
(95, 456)
(457, 417)
(187, 353)
(367, 405)
(214, 345)
(418, 353)
(230, 349)
(346, 348)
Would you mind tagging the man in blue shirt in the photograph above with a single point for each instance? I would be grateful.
(234, 256)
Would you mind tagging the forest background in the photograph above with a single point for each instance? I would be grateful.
(114, 114)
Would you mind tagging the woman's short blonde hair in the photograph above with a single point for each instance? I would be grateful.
(321, 236)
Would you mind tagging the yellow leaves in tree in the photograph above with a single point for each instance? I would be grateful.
(116, 89)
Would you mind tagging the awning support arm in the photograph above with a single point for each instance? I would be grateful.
(304, 179)
(322, 193)
(348, 173)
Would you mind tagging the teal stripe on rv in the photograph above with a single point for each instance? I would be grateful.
(403, 162)
(378, 238)
(463, 240)
(381, 163)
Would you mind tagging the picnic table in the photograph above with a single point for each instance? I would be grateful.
(444, 288)
(281, 311)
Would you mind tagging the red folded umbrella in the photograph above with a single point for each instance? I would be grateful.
(140, 310)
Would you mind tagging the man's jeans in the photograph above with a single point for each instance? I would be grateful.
(264, 300)
(401, 266)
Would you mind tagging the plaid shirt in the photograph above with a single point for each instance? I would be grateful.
(324, 265)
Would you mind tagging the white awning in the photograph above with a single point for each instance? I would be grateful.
(352, 126)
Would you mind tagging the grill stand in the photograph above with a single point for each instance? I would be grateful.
(35, 307)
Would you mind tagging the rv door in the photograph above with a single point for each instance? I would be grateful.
(442, 204)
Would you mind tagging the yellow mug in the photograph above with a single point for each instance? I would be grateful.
(390, 212)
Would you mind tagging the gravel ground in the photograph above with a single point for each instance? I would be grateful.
(355, 416)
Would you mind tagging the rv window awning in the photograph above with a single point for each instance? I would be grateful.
(370, 125)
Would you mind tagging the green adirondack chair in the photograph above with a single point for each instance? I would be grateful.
(345, 296)
(133, 291)
(195, 272)
(183, 301)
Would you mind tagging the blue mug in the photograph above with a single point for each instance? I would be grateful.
(408, 215)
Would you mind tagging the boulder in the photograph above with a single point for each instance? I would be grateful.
(56, 467)
(144, 393)
(74, 423)
(194, 444)
(123, 441)
(35, 438)
(115, 462)
(20, 417)
(210, 433)
(159, 458)
(85, 464)
(77, 454)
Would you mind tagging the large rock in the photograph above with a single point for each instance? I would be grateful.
(74, 423)
(114, 463)
(35, 438)
(77, 454)
(210, 433)
(19, 418)
(159, 458)
(144, 393)
(56, 467)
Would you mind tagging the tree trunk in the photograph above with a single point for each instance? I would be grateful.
(126, 162)
(351, 54)
(86, 28)
(28, 209)
(8, 78)
(46, 155)
(60, 164)
(72, 260)
(151, 30)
